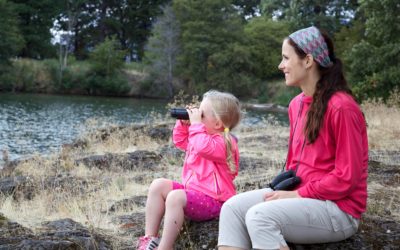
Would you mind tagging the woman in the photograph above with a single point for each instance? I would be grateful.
(328, 151)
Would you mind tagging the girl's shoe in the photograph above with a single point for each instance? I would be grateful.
(148, 243)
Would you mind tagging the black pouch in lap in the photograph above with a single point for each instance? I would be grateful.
(285, 181)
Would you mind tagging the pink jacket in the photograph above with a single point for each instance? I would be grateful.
(205, 168)
(335, 166)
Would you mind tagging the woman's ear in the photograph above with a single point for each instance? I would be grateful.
(308, 60)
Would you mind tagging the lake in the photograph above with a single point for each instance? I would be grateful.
(32, 123)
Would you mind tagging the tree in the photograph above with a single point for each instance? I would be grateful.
(375, 60)
(135, 18)
(326, 14)
(128, 20)
(11, 39)
(265, 38)
(209, 31)
(36, 18)
(107, 62)
(247, 8)
(162, 50)
(107, 57)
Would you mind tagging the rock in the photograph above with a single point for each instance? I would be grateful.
(128, 161)
(128, 204)
(132, 224)
(17, 186)
(59, 234)
(269, 107)
(160, 133)
(22, 187)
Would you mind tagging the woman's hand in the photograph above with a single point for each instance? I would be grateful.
(275, 195)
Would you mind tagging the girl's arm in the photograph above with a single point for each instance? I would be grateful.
(208, 146)
(180, 134)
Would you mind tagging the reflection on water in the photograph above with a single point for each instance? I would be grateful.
(42, 123)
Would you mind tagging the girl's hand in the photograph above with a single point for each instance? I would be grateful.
(194, 115)
(185, 122)
(275, 195)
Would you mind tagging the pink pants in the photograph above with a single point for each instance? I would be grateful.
(199, 207)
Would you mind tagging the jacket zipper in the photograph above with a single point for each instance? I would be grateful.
(216, 184)
(188, 179)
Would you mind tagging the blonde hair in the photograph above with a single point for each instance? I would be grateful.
(226, 108)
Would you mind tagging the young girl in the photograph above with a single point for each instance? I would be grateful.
(211, 164)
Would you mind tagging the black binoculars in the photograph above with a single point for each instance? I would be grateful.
(179, 113)
(285, 181)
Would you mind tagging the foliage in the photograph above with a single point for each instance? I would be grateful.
(114, 84)
(264, 44)
(26, 76)
(211, 31)
(35, 21)
(128, 20)
(10, 37)
(105, 77)
(347, 37)
(74, 76)
(162, 50)
(232, 45)
(247, 8)
(106, 57)
(326, 14)
(36, 76)
(375, 60)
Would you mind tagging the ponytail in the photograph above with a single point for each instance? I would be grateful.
(228, 146)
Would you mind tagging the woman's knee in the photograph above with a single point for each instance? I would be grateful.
(233, 201)
(260, 216)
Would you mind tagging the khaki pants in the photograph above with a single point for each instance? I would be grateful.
(247, 222)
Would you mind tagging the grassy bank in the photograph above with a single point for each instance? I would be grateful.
(93, 191)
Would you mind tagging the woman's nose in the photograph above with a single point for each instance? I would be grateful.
(280, 66)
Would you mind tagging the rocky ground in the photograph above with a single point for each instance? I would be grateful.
(262, 154)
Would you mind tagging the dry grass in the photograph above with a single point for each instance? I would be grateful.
(89, 204)
(383, 125)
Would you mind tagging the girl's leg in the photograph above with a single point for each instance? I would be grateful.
(155, 204)
(299, 220)
(233, 232)
(173, 219)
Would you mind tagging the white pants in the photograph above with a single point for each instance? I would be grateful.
(248, 222)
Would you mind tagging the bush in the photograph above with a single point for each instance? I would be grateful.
(110, 85)
(27, 75)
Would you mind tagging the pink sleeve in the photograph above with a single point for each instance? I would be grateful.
(347, 129)
(211, 147)
(180, 135)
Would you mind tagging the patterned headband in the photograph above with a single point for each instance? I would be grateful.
(312, 42)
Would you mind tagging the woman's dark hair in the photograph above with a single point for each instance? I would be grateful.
(332, 80)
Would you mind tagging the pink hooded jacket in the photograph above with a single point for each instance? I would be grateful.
(335, 166)
(205, 168)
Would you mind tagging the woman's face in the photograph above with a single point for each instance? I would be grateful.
(292, 65)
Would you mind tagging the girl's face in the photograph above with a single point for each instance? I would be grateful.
(212, 124)
(292, 65)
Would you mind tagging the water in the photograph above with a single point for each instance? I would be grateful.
(31, 123)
